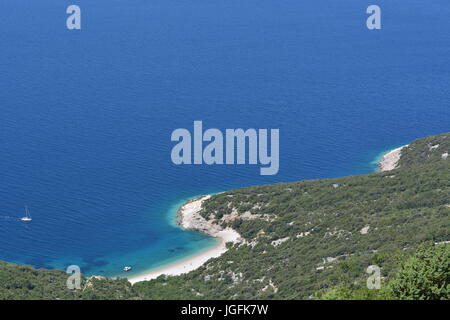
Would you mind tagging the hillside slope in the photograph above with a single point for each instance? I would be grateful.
(19, 282)
(307, 236)
(300, 238)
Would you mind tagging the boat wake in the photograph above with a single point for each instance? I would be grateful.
(26, 218)
(9, 218)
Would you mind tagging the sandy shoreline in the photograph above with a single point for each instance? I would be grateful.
(188, 218)
(390, 159)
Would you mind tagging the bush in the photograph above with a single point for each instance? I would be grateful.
(424, 276)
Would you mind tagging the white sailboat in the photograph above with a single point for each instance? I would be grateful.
(27, 217)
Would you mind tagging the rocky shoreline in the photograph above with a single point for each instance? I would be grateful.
(389, 161)
(188, 217)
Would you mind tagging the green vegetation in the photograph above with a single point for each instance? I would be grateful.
(424, 276)
(428, 150)
(306, 240)
(24, 282)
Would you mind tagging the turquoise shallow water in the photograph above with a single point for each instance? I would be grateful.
(86, 117)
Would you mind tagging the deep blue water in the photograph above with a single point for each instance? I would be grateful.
(86, 116)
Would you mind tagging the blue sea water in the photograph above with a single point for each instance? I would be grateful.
(86, 116)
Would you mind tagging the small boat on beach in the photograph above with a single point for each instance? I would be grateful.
(27, 217)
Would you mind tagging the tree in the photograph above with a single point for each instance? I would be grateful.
(424, 276)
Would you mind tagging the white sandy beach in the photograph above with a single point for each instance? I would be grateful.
(390, 160)
(189, 218)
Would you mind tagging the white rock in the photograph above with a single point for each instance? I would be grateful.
(364, 230)
(434, 147)
(279, 241)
